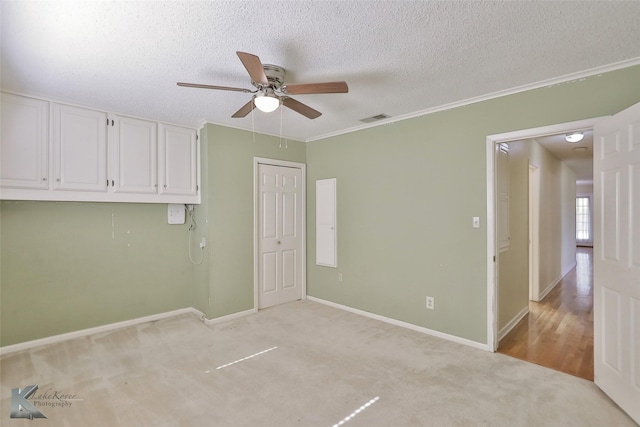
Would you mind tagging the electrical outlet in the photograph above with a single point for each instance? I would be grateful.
(339, 277)
(431, 302)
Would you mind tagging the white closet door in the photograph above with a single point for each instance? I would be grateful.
(281, 235)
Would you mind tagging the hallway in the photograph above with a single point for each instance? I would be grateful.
(558, 331)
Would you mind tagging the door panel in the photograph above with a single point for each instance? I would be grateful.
(269, 272)
(611, 303)
(635, 325)
(326, 219)
(288, 269)
(616, 261)
(280, 242)
(270, 214)
(610, 215)
(289, 204)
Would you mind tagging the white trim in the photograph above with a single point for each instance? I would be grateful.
(490, 142)
(256, 243)
(567, 78)
(230, 317)
(98, 329)
(512, 323)
(492, 244)
(402, 324)
(533, 231)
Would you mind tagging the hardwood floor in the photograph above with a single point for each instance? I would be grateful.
(558, 331)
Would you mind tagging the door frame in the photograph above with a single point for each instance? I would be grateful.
(491, 140)
(256, 226)
(534, 232)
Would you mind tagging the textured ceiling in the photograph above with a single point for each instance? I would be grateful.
(399, 58)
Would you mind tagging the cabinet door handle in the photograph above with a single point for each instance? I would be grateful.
(44, 179)
(113, 183)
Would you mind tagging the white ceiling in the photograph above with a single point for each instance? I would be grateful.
(399, 58)
(578, 156)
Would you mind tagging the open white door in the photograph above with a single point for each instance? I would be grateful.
(616, 172)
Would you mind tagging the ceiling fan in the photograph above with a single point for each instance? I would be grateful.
(270, 90)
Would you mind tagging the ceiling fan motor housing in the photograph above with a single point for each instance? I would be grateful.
(275, 76)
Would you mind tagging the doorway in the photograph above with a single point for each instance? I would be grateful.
(279, 232)
(493, 244)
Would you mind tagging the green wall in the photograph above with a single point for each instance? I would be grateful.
(406, 195)
(229, 217)
(71, 266)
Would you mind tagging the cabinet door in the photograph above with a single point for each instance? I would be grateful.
(24, 142)
(135, 168)
(326, 214)
(80, 149)
(178, 160)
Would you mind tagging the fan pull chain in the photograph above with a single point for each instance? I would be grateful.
(253, 126)
(281, 127)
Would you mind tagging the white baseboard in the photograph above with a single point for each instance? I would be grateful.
(549, 288)
(512, 323)
(112, 326)
(230, 317)
(400, 323)
(98, 329)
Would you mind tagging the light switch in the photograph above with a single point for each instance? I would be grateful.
(175, 213)
(476, 222)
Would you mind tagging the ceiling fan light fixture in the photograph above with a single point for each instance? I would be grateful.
(266, 102)
(574, 137)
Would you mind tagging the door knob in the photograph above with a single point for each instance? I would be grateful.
(279, 242)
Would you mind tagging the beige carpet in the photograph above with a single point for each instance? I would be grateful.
(299, 364)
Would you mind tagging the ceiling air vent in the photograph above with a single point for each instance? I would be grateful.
(375, 118)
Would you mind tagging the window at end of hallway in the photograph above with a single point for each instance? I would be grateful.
(583, 219)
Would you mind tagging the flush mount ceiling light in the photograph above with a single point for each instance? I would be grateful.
(267, 101)
(574, 137)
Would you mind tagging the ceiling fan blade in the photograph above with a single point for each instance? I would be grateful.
(299, 107)
(308, 88)
(246, 109)
(199, 86)
(254, 67)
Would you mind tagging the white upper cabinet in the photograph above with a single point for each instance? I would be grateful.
(79, 149)
(24, 142)
(178, 160)
(55, 151)
(135, 159)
